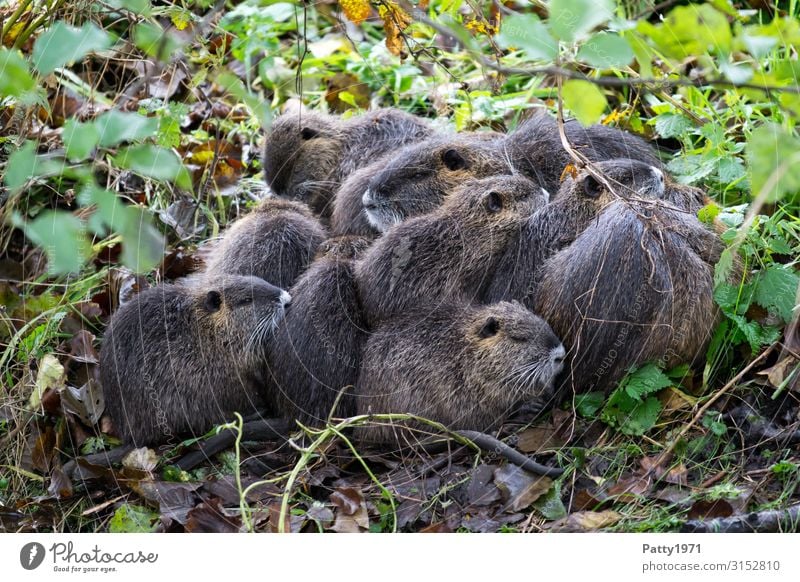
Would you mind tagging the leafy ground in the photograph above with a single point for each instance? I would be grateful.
(92, 92)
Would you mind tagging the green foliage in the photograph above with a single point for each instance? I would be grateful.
(585, 100)
(64, 45)
(133, 519)
(632, 408)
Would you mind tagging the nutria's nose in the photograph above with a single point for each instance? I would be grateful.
(285, 299)
(657, 174)
(367, 201)
(557, 355)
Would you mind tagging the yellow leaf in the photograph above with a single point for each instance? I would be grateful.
(395, 21)
(356, 11)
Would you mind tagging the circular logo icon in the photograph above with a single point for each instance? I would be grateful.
(31, 555)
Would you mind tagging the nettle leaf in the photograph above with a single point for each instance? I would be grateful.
(646, 380)
(15, 78)
(141, 7)
(773, 151)
(528, 34)
(118, 126)
(589, 403)
(724, 266)
(63, 238)
(642, 418)
(672, 125)
(606, 50)
(730, 170)
(776, 290)
(585, 100)
(80, 139)
(571, 20)
(64, 45)
(154, 162)
(708, 213)
(754, 333)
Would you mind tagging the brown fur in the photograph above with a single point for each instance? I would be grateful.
(316, 353)
(636, 286)
(556, 225)
(275, 242)
(536, 151)
(308, 155)
(448, 253)
(415, 180)
(464, 366)
(182, 359)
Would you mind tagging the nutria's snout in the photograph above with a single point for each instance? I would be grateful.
(285, 299)
(546, 195)
(659, 178)
(557, 359)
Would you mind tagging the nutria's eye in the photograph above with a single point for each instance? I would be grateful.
(308, 133)
(494, 202)
(213, 301)
(591, 187)
(453, 160)
(490, 328)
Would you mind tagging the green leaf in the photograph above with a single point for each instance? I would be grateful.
(141, 7)
(118, 126)
(724, 267)
(62, 236)
(759, 46)
(672, 125)
(80, 139)
(773, 151)
(154, 162)
(606, 50)
(708, 213)
(689, 31)
(550, 505)
(155, 41)
(776, 290)
(528, 34)
(133, 519)
(143, 246)
(646, 380)
(24, 164)
(642, 418)
(585, 100)
(15, 78)
(571, 20)
(736, 72)
(63, 45)
(589, 403)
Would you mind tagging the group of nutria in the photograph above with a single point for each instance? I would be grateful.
(401, 268)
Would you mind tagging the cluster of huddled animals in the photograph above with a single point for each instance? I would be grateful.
(402, 268)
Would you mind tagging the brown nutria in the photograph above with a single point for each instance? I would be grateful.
(308, 154)
(275, 242)
(448, 253)
(461, 365)
(182, 359)
(556, 225)
(636, 286)
(535, 148)
(415, 180)
(316, 354)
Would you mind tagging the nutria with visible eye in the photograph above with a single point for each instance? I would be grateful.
(180, 360)
(635, 286)
(415, 180)
(466, 367)
(449, 253)
(316, 354)
(308, 154)
(555, 226)
(535, 148)
(275, 242)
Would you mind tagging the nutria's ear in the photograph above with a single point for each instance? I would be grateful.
(213, 301)
(308, 133)
(489, 328)
(591, 187)
(454, 160)
(493, 202)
